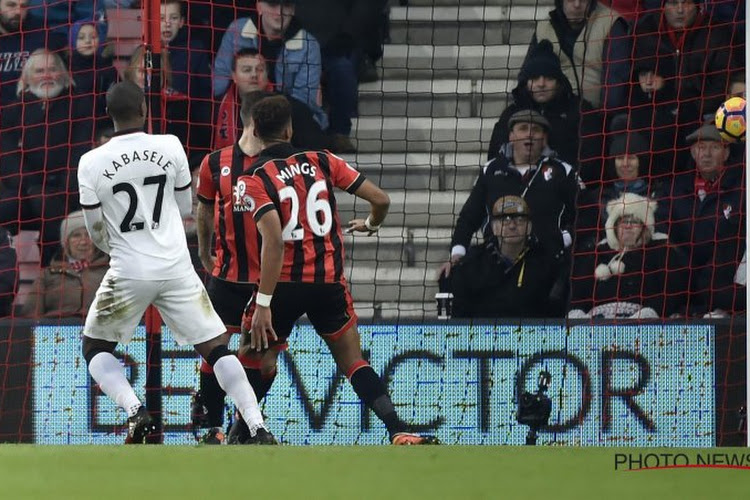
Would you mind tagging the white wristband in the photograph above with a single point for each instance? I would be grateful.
(263, 300)
(370, 226)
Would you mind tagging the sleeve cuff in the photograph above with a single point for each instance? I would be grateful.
(458, 251)
(205, 200)
(262, 211)
(355, 185)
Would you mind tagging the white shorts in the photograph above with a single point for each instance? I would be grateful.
(182, 302)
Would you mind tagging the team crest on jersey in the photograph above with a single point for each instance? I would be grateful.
(727, 211)
(225, 170)
(243, 202)
(547, 173)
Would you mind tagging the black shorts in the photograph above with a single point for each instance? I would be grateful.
(328, 306)
(229, 299)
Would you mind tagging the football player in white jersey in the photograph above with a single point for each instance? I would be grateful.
(134, 191)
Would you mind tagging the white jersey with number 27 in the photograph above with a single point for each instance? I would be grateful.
(133, 178)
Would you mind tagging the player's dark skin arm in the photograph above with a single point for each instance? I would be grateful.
(379, 205)
(204, 221)
(272, 259)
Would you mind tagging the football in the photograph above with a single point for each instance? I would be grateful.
(730, 119)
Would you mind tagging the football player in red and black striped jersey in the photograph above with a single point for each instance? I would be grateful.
(291, 199)
(234, 270)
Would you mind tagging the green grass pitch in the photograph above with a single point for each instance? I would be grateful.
(156, 472)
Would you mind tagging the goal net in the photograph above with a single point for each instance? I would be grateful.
(626, 284)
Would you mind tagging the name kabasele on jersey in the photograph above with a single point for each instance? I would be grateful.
(145, 155)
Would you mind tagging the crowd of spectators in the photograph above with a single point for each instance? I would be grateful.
(57, 63)
(625, 102)
(609, 110)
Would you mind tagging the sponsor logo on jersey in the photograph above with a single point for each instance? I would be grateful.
(225, 170)
(243, 202)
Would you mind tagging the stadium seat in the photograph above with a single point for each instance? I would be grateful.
(125, 30)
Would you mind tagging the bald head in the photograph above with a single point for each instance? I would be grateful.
(126, 103)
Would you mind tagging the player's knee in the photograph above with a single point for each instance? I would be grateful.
(92, 347)
(217, 353)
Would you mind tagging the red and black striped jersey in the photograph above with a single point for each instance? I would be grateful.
(300, 188)
(237, 238)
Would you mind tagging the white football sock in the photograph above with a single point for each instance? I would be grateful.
(232, 379)
(110, 375)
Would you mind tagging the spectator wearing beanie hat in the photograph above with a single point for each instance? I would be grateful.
(91, 63)
(634, 272)
(593, 44)
(543, 87)
(627, 170)
(68, 285)
(91, 57)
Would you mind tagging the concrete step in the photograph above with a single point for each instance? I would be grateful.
(492, 58)
(477, 73)
(436, 98)
(409, 208)
(370, 283)
(422, 134)
(465, 25)
(412, 311)
(471, 3)
(517, 32)
(477, 13)
(436, 105)
(431, 247)
(446, 171)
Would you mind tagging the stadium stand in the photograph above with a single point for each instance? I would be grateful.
(423, 132)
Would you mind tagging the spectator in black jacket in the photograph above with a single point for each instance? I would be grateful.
(511, 275)
(708, 220)
(8, 274)
(42, 137)
(190, 62)
(543, 87)
(681, 66)
(91, 63)
(342, 27)
(627, 170)
(20, 35)
(529, 169)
